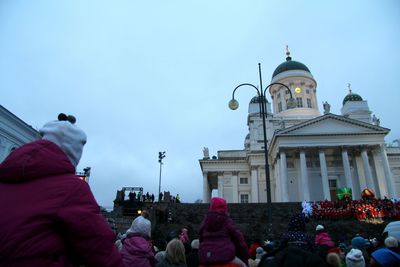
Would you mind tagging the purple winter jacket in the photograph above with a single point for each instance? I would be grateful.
(323, 238)
(137, 251)
(49, 216)
(220, 240)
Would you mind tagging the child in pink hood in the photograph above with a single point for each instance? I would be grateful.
(323, 242)
(137, 249)
(322, 237)
(221, 242)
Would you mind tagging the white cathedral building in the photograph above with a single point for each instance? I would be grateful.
(310, 154)
(14, 132)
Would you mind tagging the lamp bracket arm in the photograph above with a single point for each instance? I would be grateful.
(249, 84)
(284, 85)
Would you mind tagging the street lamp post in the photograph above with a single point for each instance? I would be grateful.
(161, 155)
(234, 104)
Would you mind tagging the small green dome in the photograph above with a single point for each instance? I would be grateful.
(352, 97)
(290, 65)
(257, 99)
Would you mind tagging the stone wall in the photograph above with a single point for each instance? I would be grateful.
(250, 218)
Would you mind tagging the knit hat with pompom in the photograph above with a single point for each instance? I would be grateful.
(64, 133)
(141, 226)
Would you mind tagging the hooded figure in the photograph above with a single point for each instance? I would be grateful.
(137, 249)
(220, 240)
(393, 229)
(385, 257)
(49, 215)
(323, 241)
(322, 237)
(391, 242)
(361, 243)
(355, 258)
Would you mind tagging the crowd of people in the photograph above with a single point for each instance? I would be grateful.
(221, 243)
(139, 196)
(52, 219)
(368, 209)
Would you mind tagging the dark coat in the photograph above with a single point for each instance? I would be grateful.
(220, 240)
(293, 257)
(49, 216)
(297, 235)
(166, 263)
(192, 260)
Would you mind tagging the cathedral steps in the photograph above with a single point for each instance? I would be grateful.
(250, 218)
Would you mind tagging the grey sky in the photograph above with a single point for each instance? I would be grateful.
(149, 76)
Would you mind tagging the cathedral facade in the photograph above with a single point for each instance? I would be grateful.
(14, 132)
(310, 154)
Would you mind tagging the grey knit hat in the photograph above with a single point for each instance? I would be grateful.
(140, 225)
(66, 135)
(195, 244)
(391, 242)
(355, 258)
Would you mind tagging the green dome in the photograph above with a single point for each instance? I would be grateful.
(290, 65)
(257, 99)
(352, 97)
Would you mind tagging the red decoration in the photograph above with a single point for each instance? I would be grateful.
(366, 209)
(367, 194)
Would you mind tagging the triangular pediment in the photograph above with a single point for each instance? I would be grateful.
(331, 124)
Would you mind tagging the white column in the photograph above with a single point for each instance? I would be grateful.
(380, 182)
(235, 188)
(304, 177)
(206, 189)
(361, 173)
(367, 169)
(388, 174)
(220, 185)
(324, 175)
(283, 177)
(254, 185)
(277, 177)
(346, 168)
